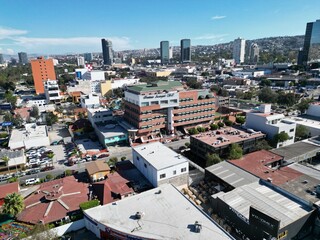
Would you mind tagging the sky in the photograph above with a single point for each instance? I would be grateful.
(77, 26)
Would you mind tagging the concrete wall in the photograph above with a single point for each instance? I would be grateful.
(176, 181)
(73, 226)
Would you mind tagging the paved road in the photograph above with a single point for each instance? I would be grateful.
(114, 152)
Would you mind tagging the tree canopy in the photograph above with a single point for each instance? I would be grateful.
(13, 204)
(235, 151)
(212, 159)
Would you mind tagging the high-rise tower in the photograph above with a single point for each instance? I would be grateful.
(239, 46)
(107, 52)
(164, 52)
(42, 70)
(311, 47)
(185, 45)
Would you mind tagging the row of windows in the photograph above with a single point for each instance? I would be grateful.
(174, 172)
(154, 118)
(194, 118)
(185, 99)
(192, 112)
(195, 105)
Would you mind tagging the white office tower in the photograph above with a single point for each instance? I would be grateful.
(80, 61)
(239, 46)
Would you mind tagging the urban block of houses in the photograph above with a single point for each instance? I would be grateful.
(97, 170)
(54, 201)
(159, 164)
(270, 123)
(219, 141)
(17, 158)
(161, 213)
(32, 135)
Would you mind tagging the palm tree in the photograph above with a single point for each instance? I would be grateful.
(6, 160)
(13, 204)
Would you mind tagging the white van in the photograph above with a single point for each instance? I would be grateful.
(31, 181)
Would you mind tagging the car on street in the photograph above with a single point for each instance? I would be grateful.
(32, 181)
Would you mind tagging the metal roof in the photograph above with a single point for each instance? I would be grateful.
(232, 174)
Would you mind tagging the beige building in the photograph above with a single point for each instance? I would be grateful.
(97, 170)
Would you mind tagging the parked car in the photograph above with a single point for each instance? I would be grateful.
(32, 181)
(48, 168)
(94, 157)
(88, 158)
(102, 155)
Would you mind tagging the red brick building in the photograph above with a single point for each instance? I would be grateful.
(164, 107)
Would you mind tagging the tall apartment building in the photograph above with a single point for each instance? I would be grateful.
(164, 52)
(52, 91)
(271, 124)
(254, 53)
(23, 58)
(88, 57)
(80, 61)
(185, 46)
(107, 52)
(42, 70)
(166, 107)
(311, 49)
(239, 46)
(1, 59)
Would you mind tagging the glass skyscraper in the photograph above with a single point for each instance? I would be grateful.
(164, 52)
(107, 52)
(23, 58)
(185, 45)
(311, 47)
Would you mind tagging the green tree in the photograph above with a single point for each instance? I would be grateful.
(280, 137)
(302, 132)
(6, 159)
(201, 129)
(241, 120)
(112, 161)
(227, 122)
(235, 151)
(266, 95)
(265, 83)
(288, 99)
(13, 204)
(303, 105)
(49, 177)
(214, 126)
(193, 131)
(123, 158)
(118, 92)
(34, 112)
(187, 144)
(10, 98)
(263, 145)
(212, 159)
(18, 120)
(8, 117)
(193, 83)
(220, 124)
(51, 118)
(68, 172)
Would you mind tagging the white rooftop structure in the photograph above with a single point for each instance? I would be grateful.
(165, 214)
(266, 200)
(159, 156)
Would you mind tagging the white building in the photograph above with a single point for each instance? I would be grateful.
(85, 74)
(36, 101)
(32, 136)
(95, 86)
(99, 115)
(161, 213)
(159, 164)
(80, 86)
(80, 61)
(120, 83)
(90, 101)
(239, 46)
(314, 109)
(52, 91)
(16, 157)
(271, 124)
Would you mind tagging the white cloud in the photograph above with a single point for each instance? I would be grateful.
(10, 51)
(211, 37)
(217, 17)
(10, 32)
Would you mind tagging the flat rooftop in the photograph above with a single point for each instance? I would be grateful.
(298, 151)
(111, 130)
(232, 174)
(30, 131)
(159, 156)
(226, 136)
(167, 214)
(266, 200)
(258, 163)
(311, 122)
(157, 86)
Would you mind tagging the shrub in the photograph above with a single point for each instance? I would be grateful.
(89, 204)
(123, 158)
(193, 131)
(220, 124)
(49, 177)
(68, 172)
(214, 126)
(228, 123)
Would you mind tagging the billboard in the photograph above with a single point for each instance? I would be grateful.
(6, 124)
(264, 222)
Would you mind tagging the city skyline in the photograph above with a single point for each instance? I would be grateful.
(67, 28)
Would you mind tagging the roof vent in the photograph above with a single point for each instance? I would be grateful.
(269, 179)
(197, 227)
(158, 192)
(139, 215)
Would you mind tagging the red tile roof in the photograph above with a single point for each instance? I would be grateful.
(8, 189)
(256, 163)
(23, 112)
(112, 188)
(60, 194)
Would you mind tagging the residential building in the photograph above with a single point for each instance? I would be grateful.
(170, 53)
(164, 52)
(90, 101)
(270, 123)
(108, 85)
(23, 58)
(310, 122)
(260, 211)
(17, 159)
(97, 170)
(31, 136)
(185, 48)
(52, 91)
(160, 165)
(42, 70)
(220, 141)
(1, 59)
(80, 61)
(54, 201)
(87, 57)
(89, 74)
(239, 45)
(161, 213)
(99, 115)
(114, 188)
(254, 53)
(111, 134)
(311, 51)
(107, 52)
(6, 189)
(166, 106)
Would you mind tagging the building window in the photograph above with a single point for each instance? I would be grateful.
(162, 175)
(138, 158)
(183, 169)
(145, 165)
(174, 172)
(291, 130)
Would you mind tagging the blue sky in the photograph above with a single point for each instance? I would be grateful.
(76, 26)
